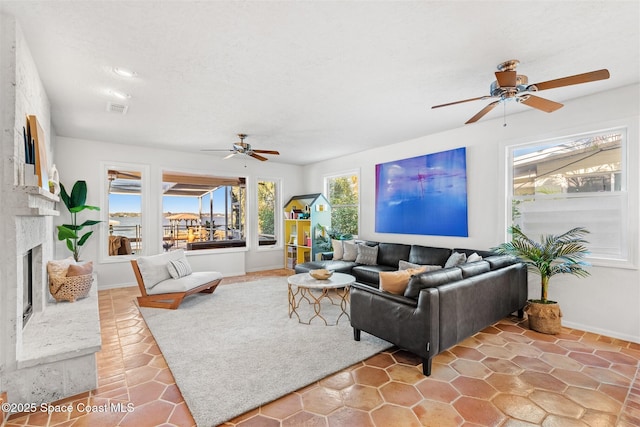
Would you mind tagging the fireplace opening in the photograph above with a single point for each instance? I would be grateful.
(27, 284)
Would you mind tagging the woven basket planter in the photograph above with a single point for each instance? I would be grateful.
(70, 288)
(544, 318)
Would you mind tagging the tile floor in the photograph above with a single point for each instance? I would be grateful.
(505, 375)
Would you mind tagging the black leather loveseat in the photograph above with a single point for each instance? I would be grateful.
(439, 308)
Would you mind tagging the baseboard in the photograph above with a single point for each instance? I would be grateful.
(265, 268)
(605, 332)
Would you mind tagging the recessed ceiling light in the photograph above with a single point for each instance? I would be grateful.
(119, 95)
(123, 72)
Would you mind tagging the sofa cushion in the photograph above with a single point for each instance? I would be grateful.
(369, 274)
(185, 283)
(456, 258)
(500, 261)
(179, 268)
(367, 255)
(338, 248)
(470, 269)
(391, 253)
(431, 279)
(154, 269)
(404, 265)
(474, 257)
(426, 255)
(350, 250)
(482, 253)
(394, 282)
(339, 266)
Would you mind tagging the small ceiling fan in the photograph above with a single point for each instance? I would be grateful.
(242, 147)
(509, 86)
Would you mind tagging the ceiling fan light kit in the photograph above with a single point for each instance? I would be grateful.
(511, 86)
(242, 147)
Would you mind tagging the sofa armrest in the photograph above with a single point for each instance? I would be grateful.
(399, 299)
(406, 322)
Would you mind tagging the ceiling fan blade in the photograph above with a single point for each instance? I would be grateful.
(460, 102)
(482, 112)
(257, 156)
(574, 80)
(541, 103)
(266, 151)
(228, 156)
(216, 149)
(507, 78)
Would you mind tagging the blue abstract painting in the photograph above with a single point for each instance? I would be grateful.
(423, 195)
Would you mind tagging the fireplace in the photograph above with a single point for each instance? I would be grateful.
(27, 287)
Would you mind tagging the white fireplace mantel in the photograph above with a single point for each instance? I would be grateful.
(35, 201)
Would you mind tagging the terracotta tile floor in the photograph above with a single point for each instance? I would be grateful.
(505, 375)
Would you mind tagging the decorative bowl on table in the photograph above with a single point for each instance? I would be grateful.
(321, 274)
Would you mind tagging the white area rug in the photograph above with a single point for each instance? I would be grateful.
(236, 349)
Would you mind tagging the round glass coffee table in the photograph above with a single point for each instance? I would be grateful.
(304, 287)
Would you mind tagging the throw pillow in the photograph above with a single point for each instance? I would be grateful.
(394, 282)
(59, 268)
(179, 268)
(80, 269)
(418, 270)
(350, 251)
(405, 265)
(367, 255)
(474, 257)
(338, 250)
(456, 258)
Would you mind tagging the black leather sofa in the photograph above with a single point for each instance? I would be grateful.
(439, 308)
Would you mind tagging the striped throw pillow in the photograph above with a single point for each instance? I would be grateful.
(179, 268)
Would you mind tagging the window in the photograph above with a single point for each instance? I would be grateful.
(203, 211)
(343, 195)
(574, 181)
(267, 203)
(124, 198)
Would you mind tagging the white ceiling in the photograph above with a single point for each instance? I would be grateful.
(314, 80)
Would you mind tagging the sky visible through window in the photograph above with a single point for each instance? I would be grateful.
(131, 203)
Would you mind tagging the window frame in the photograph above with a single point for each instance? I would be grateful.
(347, 173)
(629, 211)
(103, 241)
(277, 220)
(247, 226)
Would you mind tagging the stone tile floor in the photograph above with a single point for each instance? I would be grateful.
(505, 375)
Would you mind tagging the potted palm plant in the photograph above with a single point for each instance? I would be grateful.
(75, 203)
(553, 254)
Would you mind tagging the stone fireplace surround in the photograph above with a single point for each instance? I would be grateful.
(53, 355)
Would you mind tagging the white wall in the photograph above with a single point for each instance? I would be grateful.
(82, 160)
(608, 302)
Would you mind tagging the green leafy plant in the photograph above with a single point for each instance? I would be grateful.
(554, 254)
(75, 203)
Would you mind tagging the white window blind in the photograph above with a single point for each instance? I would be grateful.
(574, 181)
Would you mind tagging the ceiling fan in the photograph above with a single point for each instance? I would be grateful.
(510, 86)
(242, 147)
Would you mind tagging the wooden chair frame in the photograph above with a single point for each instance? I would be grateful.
(169, 300)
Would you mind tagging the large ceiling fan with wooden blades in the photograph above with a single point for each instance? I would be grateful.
(242, 147)
(511, 86)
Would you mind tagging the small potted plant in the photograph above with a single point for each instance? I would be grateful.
(75, 203)
(553, 254)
